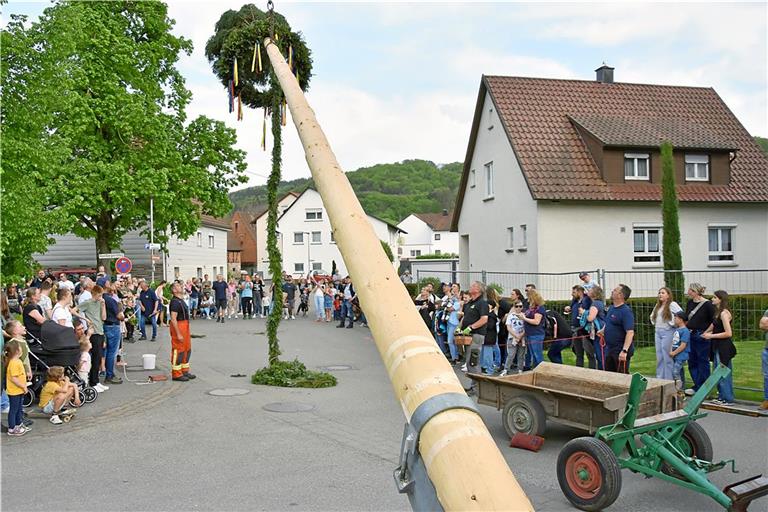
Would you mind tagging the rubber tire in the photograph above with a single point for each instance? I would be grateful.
(534, 409)
(89, 395)
(610, 472)
(82, 400)
(29, 398)
(699, 441)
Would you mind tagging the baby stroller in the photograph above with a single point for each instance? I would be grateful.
(58, 347)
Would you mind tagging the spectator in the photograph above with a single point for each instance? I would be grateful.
(586, 281)
(593, 324)
(38, 280)
(348, 293)
(45, 299)
(533, 324)
(258, 295)
(491, 295)
(195, 293)
(452, 308)
(232, 299)
(328, 302)
(764, 327)
(246, 297)
(205, 306)
(580, 304)
(289, 288)
(681, 343)
(61, 311)
(16, 387)
(149, 306)
(160, 294)
(664, 326)
(487, 351)
(318, 296)
(57, 392)
(424, 306)
(406, 277)
(220, 288)
(33, 315)
(206, 284)
(558, 330)
(65, 283)
(85, 290)
(701, 314)
(95, 311)
(14, 299)
(112, 333)
(723, 349)
(473, 320)
(619, 331)
(516, 348)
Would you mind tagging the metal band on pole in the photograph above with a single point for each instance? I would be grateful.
(458, 453)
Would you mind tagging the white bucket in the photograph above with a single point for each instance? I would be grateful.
(149, 361)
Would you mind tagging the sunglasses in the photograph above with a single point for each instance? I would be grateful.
(518, 305)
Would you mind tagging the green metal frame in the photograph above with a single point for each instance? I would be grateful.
(661, 441)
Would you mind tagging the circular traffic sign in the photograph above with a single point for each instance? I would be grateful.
(123, 265)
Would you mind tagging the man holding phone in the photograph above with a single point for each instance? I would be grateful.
(149, 309)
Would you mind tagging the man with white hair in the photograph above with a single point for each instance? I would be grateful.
(473, 322)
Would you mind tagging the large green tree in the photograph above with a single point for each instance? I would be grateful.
(114, 122)
(673, 260)
(237, 45)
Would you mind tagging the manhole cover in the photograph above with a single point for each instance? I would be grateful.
(336, 368)
(228, 392)
(288, 407)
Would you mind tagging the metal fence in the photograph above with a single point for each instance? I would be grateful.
(748, 290)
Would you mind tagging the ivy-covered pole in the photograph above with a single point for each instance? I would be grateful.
(461, 458)
(673, 260)
(275, 258)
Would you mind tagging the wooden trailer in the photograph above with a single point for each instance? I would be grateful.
(577, 397)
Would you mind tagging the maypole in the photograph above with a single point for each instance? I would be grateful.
(445, 434)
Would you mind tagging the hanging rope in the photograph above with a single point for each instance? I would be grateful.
(271, 13)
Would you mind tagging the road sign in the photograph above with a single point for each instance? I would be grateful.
(152, 247)
(123, 265)
(156, 258)
(111, 256)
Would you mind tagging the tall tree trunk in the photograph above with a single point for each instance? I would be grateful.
(102, 244)
(275, 258)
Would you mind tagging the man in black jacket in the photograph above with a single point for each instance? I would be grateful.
(558, 330)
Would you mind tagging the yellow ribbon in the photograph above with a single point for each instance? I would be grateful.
(259, 52)
(236, 80)
(253, 61)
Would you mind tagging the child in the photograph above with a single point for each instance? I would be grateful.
(16, 387)
(265, 305)
(337, 307)
(516, 348)
(57, 392)
(84, 366)
(681, 342)
(304, 301)
(285, 305)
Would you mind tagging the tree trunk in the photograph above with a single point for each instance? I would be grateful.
(102, 245)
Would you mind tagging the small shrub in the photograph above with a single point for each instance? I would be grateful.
(497, 287)
(437, 288)
(292, 374)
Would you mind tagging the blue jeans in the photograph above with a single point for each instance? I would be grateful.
(555, 350)
(698, 361)
(112, 335)
(765, 374)
(535, 349)
(664, 363)
(16, 413)
(346, 312)
(319, 307)
(451, 329)
(496, 355)
(143, 328)
(725, 386)
(678, 374)
(193, 302)
(5, 403)
(486, 359)
(440, 339)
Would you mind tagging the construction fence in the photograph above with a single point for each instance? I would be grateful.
(748, 291)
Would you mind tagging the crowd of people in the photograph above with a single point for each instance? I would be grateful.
(500, 335)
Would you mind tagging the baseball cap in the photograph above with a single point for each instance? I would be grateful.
(582, 274)
(101, 281)
(681, 314)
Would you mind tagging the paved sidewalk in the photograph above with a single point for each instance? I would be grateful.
(173, 446)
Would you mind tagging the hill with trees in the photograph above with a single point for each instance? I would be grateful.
(388, 191)
(762, 142)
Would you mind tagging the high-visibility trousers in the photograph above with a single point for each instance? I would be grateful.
(181, 349)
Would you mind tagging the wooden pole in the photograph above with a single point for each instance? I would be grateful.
(462, 459)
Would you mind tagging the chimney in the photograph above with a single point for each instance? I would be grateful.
(445, 213)
(604, 74)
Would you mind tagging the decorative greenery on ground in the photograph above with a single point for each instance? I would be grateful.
(388, 191)
(292, 374)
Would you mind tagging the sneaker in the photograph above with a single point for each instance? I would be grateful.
(27, 422)
(464, 368)
(114, 380)
(350, 326)
(190, 376)
(222, 319)
(56, 420)
(100, 388)
(503, 373)
(18, 430)
(153, 339)
(690, 392)
(727, 404)
(293, 317)
(340, 326)
(183, 378)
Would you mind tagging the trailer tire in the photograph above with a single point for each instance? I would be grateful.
(589, 474)
(694, 442)
(524, 414)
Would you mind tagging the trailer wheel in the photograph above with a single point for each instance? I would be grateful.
(29, 397)
(589, 474)
(694, 442)
(524, 414)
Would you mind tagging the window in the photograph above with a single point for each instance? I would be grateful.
(333, 238)
(316, 265)
(211, 241)
(298, 267)
(720, 243)
(472, 178)
(510, 238)
(647, 246)
(399, 251)
(415, 252)
(437, 252)
(490, 118)
(523, 236)
(199, 239)
(199, 272)
(437, 236)
(237, 225)
(298, 237)
(314, 214)
(696, 168)
(636, 166)
(176, 272)
(489, 180)
(316, 237)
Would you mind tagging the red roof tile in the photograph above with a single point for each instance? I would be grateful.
(436, 221)
(537, 115)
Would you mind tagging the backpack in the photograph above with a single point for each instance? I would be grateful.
(591, 327)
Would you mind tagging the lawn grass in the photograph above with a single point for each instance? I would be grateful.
(747, 367)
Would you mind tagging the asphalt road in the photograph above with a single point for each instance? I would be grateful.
(174, 446)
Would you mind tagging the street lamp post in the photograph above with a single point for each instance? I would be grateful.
(309, 242)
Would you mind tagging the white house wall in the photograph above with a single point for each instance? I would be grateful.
(420, 237)
(260, 228)
(187, 258)
(482, 227)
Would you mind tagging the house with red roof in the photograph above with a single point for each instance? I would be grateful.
(562, 175)
(427, 233)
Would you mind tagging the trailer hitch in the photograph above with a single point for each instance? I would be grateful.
(744, 492)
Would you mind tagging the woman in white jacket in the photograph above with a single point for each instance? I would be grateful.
(663, 320)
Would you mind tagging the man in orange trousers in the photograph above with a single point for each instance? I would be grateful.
(181, 340)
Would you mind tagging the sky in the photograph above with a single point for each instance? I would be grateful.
(395, 81)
